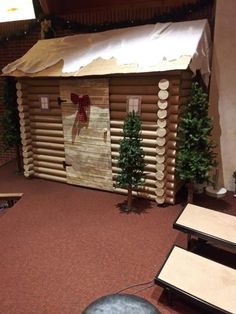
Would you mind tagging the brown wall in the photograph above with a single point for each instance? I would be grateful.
(223, 91)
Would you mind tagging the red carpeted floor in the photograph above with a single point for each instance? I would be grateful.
(61, 246)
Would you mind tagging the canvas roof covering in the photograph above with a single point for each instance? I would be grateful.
(139, 49)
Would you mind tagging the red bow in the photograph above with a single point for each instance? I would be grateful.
(83, 102)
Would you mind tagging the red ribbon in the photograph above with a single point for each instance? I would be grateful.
(83, 102)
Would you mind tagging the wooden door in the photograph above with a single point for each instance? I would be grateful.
(87, 144)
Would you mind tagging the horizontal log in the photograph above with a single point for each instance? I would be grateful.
(56, 172)
(148, 167)
(187, 75)
(170, 169)
(164, 84)
(43, 118)
(160, 167)
(23, 115)
(184, 100)
(162, 113)
(59, 146)
(145, 142)
(160, 200)
(37, 105)
(26, 148)
(20, 101)
(160, 192)
(138, 194)
(170, 193)
(170, 177)
(161, 132)
(145, 99)
(172, 136)
(116, 106)
(54, 133)
(25, 129)
(133, 90)
(28, 167)
(160, 184)
(171, 153)
(185, 92)
(50, 139)
(118, 115)
(136, 80)
(19, 93)
(52, 112)
(160, 175)
(161, 141)
(19, 85)
(22, 108)
(170, 161)
(151, 159)
(160, 150)
(161, 123)
(27, 154)
(145, 107)
(160, 159)
(175, 90)
(147, 150)
(44, 90)
(170, 185)
(149, 108)
(147, 182)
(28, 161)
(29, 173)
(24, 122)
(173, 109)
(55, 159)
(144, 125)
(148, 175)
(163, 94)
(43, 82)
(169, 200)
(186, 84)
(173, 118)
(172, 127)
(171, 144)
(174, 100)
(26, 142)
(49, 152)
(25, 136)
(46, 125)
(51, 165)
(143, 133)
(162, 104)
(49, 177)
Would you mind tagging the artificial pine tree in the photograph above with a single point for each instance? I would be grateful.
(195, 154)
(131, 157)
(10, 121)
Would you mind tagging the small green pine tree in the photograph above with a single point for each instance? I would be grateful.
(131, 157)
(195, 154)
(9, 121)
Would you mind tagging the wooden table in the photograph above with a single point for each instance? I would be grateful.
(207, 224)
(202, 281)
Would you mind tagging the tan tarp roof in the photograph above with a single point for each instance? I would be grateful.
(140, 49)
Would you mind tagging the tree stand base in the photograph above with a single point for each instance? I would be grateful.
(218, 193)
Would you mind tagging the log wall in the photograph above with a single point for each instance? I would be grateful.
(41, 130)
(161, 97)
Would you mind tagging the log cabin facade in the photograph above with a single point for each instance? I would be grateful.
(58, 146)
